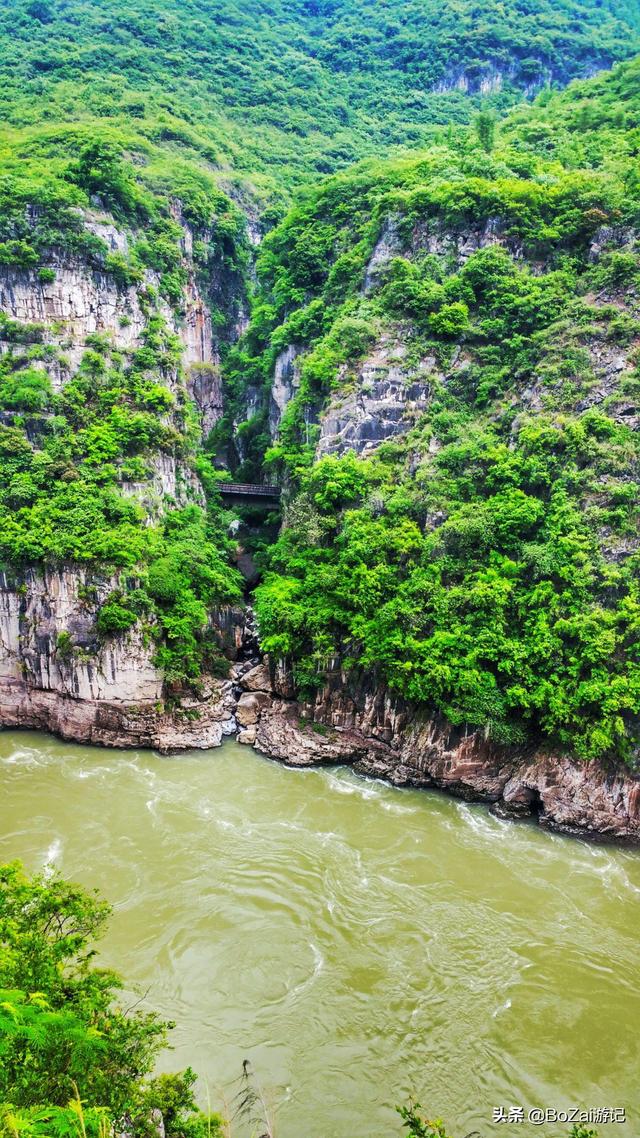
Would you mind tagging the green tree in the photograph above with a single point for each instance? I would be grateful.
(485, 128)
(72, 1061)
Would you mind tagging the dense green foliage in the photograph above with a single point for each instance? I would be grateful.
(67, 457)
(72, 1062)
(493, 538)
(284, 89)
(485, 562)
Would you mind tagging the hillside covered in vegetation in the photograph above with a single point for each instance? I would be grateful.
(285, 90)
(460, 332)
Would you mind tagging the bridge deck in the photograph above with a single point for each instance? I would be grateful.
(249, 490)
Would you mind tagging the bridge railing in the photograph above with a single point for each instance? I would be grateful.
(256, 489)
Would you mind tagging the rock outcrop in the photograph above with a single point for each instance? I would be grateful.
(385, 402)
(57, 674)
(78, 302)
(381, 736)
(286, 379)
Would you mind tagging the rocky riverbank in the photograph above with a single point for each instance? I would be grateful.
(110, 693)
(361, 724)
(58, 674)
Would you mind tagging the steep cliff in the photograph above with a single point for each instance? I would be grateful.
(456, 337)
(118, 591)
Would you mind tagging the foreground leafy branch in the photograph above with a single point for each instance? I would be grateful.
(73, 1062)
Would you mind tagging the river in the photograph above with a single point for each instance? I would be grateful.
(358, 943)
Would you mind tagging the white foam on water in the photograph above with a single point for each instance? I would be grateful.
(483, 823)
(51, 857)
(397, 808)
(613, 874)
(348, 783)
(318, 958)
(22, 758)
(318, 966)
(503, 1008)
(329, 836)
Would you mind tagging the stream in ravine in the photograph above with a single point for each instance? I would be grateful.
(357, 943)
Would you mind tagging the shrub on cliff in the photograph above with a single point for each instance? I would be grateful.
(28, 389)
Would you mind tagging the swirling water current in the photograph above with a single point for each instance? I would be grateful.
(359, 944)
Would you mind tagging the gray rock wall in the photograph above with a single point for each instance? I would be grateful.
(56, 673)
(356, 721)
(286, 379)
(384, 402)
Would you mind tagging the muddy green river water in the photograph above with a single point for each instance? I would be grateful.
(358, 943)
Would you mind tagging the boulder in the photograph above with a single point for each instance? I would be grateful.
(257, 679)
(249, 707)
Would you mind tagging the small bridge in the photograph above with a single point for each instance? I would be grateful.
(250, 494)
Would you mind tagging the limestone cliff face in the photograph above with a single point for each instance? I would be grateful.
(79, 302)
(286, 378)
(58, 675)
(494, 76)
(82, 300)
(388, 393)
(55, 671)
(354, 720)
(386, 400)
